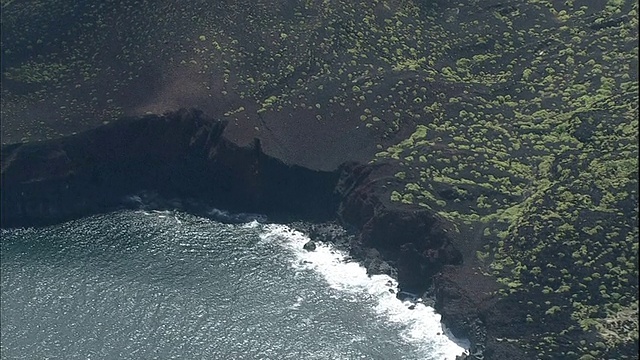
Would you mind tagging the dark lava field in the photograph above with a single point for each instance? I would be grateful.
(516, 122)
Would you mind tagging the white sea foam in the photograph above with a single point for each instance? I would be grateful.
(165, 214)
(251, 225)
(422, 326)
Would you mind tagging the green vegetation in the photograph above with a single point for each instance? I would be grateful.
(520, 118)
(546, 159)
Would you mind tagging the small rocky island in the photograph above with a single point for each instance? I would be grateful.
(485, 153)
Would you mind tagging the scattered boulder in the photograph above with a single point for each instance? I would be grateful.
(331, 232)
(310, 246)
(377, 266)
(407, 296)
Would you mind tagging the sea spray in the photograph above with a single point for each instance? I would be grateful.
(421, 324)
(169, 284)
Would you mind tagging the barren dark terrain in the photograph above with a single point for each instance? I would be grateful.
(498, 138)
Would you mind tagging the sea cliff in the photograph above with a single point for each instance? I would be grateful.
(488, 149)
(185, 154)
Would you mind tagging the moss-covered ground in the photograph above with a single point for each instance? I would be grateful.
(545, 160)
(519, 118)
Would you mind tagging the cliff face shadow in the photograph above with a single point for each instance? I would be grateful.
(185, 155)
(181, 154)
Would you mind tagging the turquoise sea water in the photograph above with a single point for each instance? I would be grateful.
(164, 285)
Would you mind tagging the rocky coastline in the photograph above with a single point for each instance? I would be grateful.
(184, 154)
(485, 153)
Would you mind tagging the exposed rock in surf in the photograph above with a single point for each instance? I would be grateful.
(406, 296)
(378, 266)
(309, 246)
(330, 232)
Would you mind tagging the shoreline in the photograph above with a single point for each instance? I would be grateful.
(92, 172)
(339, 251)
(489, 146)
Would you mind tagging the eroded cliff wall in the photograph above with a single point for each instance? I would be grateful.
(179, 154)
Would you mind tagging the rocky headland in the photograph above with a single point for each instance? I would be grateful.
(186, 155)
(485, 152)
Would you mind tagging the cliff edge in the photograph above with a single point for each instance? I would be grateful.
(184, 154)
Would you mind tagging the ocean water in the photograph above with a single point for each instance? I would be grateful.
(165, 285)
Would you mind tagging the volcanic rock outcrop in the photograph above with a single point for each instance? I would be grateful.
(186, 155)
